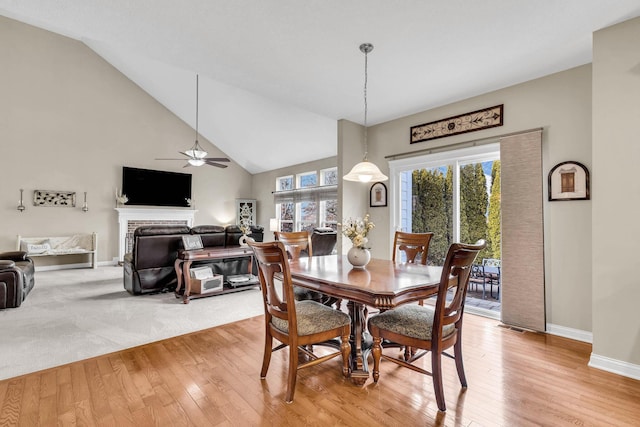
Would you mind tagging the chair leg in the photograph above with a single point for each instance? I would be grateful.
(345, 347)
(436, 371)
(266, 359)
(293, 372)
(376, 350)
(457, 353)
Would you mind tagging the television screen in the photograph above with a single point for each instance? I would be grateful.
(156, 188)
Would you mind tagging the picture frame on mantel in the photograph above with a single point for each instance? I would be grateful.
(378, 195)
(569, 181)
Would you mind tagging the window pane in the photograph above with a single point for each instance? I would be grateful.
(285, 183)
(329, 210)
(287, 227)
(329, 176)
(308, 180)
(430, 192)
(286, 212)
(308, 212)
(474, 203)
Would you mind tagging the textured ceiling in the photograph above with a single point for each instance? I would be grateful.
(276, 75)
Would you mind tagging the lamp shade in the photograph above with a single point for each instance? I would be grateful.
(365, 171)
(196, 162)
(198, 154)
(273, 224)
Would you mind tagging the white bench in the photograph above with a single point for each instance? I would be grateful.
(66, 245)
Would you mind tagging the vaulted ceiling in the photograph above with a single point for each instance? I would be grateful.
(276, 75)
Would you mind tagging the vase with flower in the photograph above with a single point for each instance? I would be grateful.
(357, 230)
(246, 230)
(121, 199)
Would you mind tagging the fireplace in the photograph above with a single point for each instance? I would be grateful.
(132, 218)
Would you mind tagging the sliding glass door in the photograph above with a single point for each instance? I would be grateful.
(455, 195)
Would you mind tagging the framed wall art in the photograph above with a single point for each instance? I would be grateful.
(569, 181)
(54, 198)
(462, 123)
(245, 212)
(378, 195)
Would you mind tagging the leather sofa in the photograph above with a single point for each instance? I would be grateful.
(16, 278)
(149, 267)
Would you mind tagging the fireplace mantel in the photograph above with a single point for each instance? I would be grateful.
(151, 216)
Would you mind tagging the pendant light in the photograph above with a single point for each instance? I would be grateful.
(365, 171)
(196, 152)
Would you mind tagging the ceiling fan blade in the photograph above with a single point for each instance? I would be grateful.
(211, 163)
(217, 159)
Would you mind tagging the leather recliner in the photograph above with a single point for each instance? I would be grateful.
(323, 240)
(17, 278)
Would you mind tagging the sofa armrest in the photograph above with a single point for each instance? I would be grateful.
(14, 255)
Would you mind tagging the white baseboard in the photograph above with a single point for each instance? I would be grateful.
(615, 366)
(599, 362)
(574, 334)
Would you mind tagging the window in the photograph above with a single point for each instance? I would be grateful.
(450, 194)
(311, 203)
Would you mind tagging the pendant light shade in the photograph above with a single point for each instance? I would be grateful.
(365, 171)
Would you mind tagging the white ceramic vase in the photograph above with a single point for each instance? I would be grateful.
(243, 240)
(358, 257)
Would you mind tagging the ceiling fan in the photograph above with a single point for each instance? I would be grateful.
(196, 156)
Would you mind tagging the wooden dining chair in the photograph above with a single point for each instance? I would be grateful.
(414, 247)
(295, 242)
(430, 328)
(298, 243)
(296, 324)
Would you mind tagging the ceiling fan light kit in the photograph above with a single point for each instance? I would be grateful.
(365, 171)
(196, 155)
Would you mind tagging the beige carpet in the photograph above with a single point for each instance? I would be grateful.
(72, 315)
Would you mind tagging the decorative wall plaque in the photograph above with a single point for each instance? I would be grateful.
(54, 198)
(469, 122)
(569, 181)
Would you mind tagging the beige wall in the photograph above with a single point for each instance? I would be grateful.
(616, 190)
(561, 104)
(70, 121)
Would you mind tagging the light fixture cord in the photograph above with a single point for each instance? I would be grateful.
(197, 109)
(366, 76)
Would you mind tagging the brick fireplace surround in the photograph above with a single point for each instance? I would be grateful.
(132, 218)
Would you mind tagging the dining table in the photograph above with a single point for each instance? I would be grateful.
(381, 284)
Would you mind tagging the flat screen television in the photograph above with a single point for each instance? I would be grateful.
(156, 188)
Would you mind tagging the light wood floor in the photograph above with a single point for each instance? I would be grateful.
(211, 378)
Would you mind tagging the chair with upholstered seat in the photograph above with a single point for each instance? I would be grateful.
(430, 328)
(297, 244)
(411, 247)
(296, 324)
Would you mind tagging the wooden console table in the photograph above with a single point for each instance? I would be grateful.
(186, 258)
